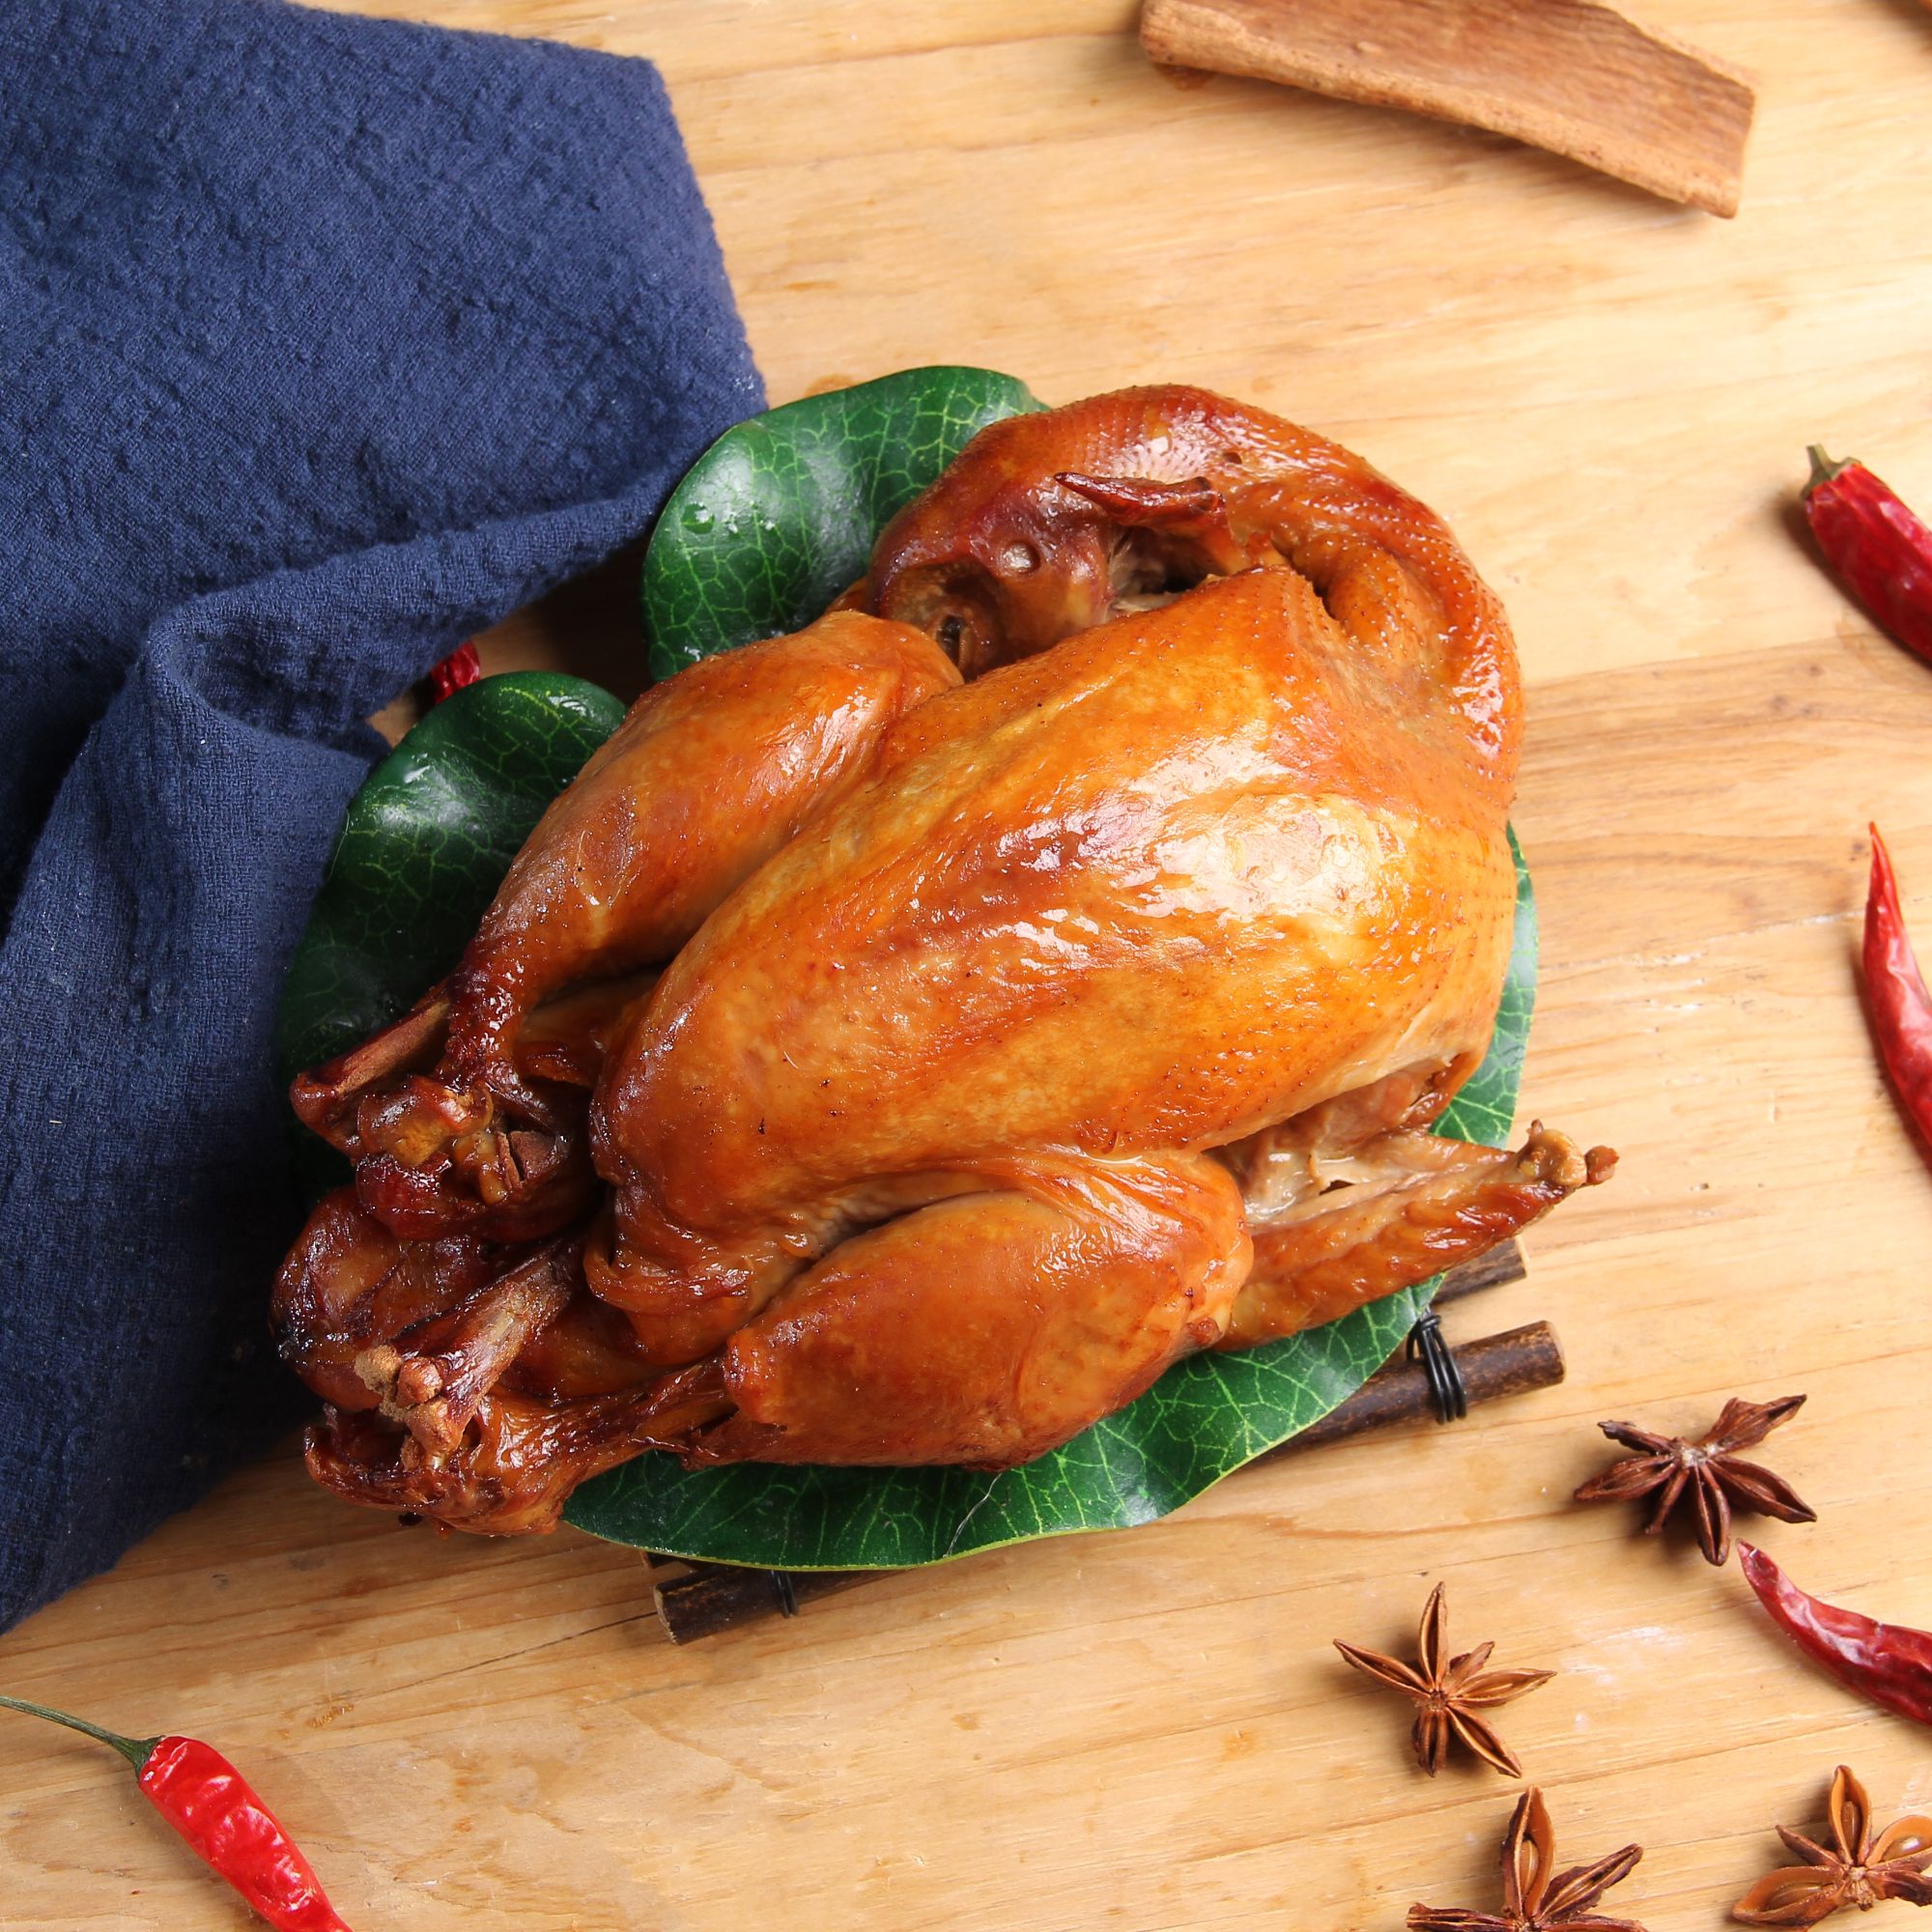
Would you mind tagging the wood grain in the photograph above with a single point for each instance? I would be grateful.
(1574, 76)
(1611, 401)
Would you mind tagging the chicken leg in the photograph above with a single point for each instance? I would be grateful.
(989, 1328)
(707, 775)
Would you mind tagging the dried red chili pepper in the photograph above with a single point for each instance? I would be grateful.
(461, 667)
(209, 1804)
(1901, 1009)
(1877, 546)
(1887, 1662)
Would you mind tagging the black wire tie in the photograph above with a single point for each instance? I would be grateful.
(1447, 1389)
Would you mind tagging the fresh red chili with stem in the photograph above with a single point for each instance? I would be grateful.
(1881, 551)
(1901, 1009)
(1887, 1662)
(210, 1805)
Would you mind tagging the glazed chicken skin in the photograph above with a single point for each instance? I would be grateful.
(988, 1042)
(706, 778)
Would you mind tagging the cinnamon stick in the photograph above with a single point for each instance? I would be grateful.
(1578, 78)
(708, 1597)
(721, 1596)
(1514, 1362)
(1501, 1264)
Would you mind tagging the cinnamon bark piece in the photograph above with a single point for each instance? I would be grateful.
(1574, 76)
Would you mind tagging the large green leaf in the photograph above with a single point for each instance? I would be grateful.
(779, 515)
(1485, 1110)
(427, 841)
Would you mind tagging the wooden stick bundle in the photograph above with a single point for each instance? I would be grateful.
(708, 1597)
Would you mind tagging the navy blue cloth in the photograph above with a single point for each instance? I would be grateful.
(323, 343)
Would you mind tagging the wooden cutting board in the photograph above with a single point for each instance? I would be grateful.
(1610, 398)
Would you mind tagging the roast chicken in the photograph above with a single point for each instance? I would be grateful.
(908, 1037)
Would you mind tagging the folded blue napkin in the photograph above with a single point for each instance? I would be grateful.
(323, 343)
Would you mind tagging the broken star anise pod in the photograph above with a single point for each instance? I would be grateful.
(1451, 1691)
(1860, 1868)
(1717, 1476)
(1533, 1901)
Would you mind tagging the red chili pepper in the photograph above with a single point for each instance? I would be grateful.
(1881, 549)
(209, 1804)
(461, 667)
(1887, 1662)
(1901, 1009)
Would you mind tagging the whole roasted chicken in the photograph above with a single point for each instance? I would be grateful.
(907, 1038)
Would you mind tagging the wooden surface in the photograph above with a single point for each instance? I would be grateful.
(1610, 399)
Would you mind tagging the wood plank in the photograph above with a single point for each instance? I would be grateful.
(1611, 401)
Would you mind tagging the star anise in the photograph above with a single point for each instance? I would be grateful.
(1717, 1478)
(1450, 1693)
(1861, 1867)
(1533, 1901)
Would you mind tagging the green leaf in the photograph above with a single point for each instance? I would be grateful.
(780, 514)
(426, 841)
(1485, 1110)
(423, 847)
(1203, 1419)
